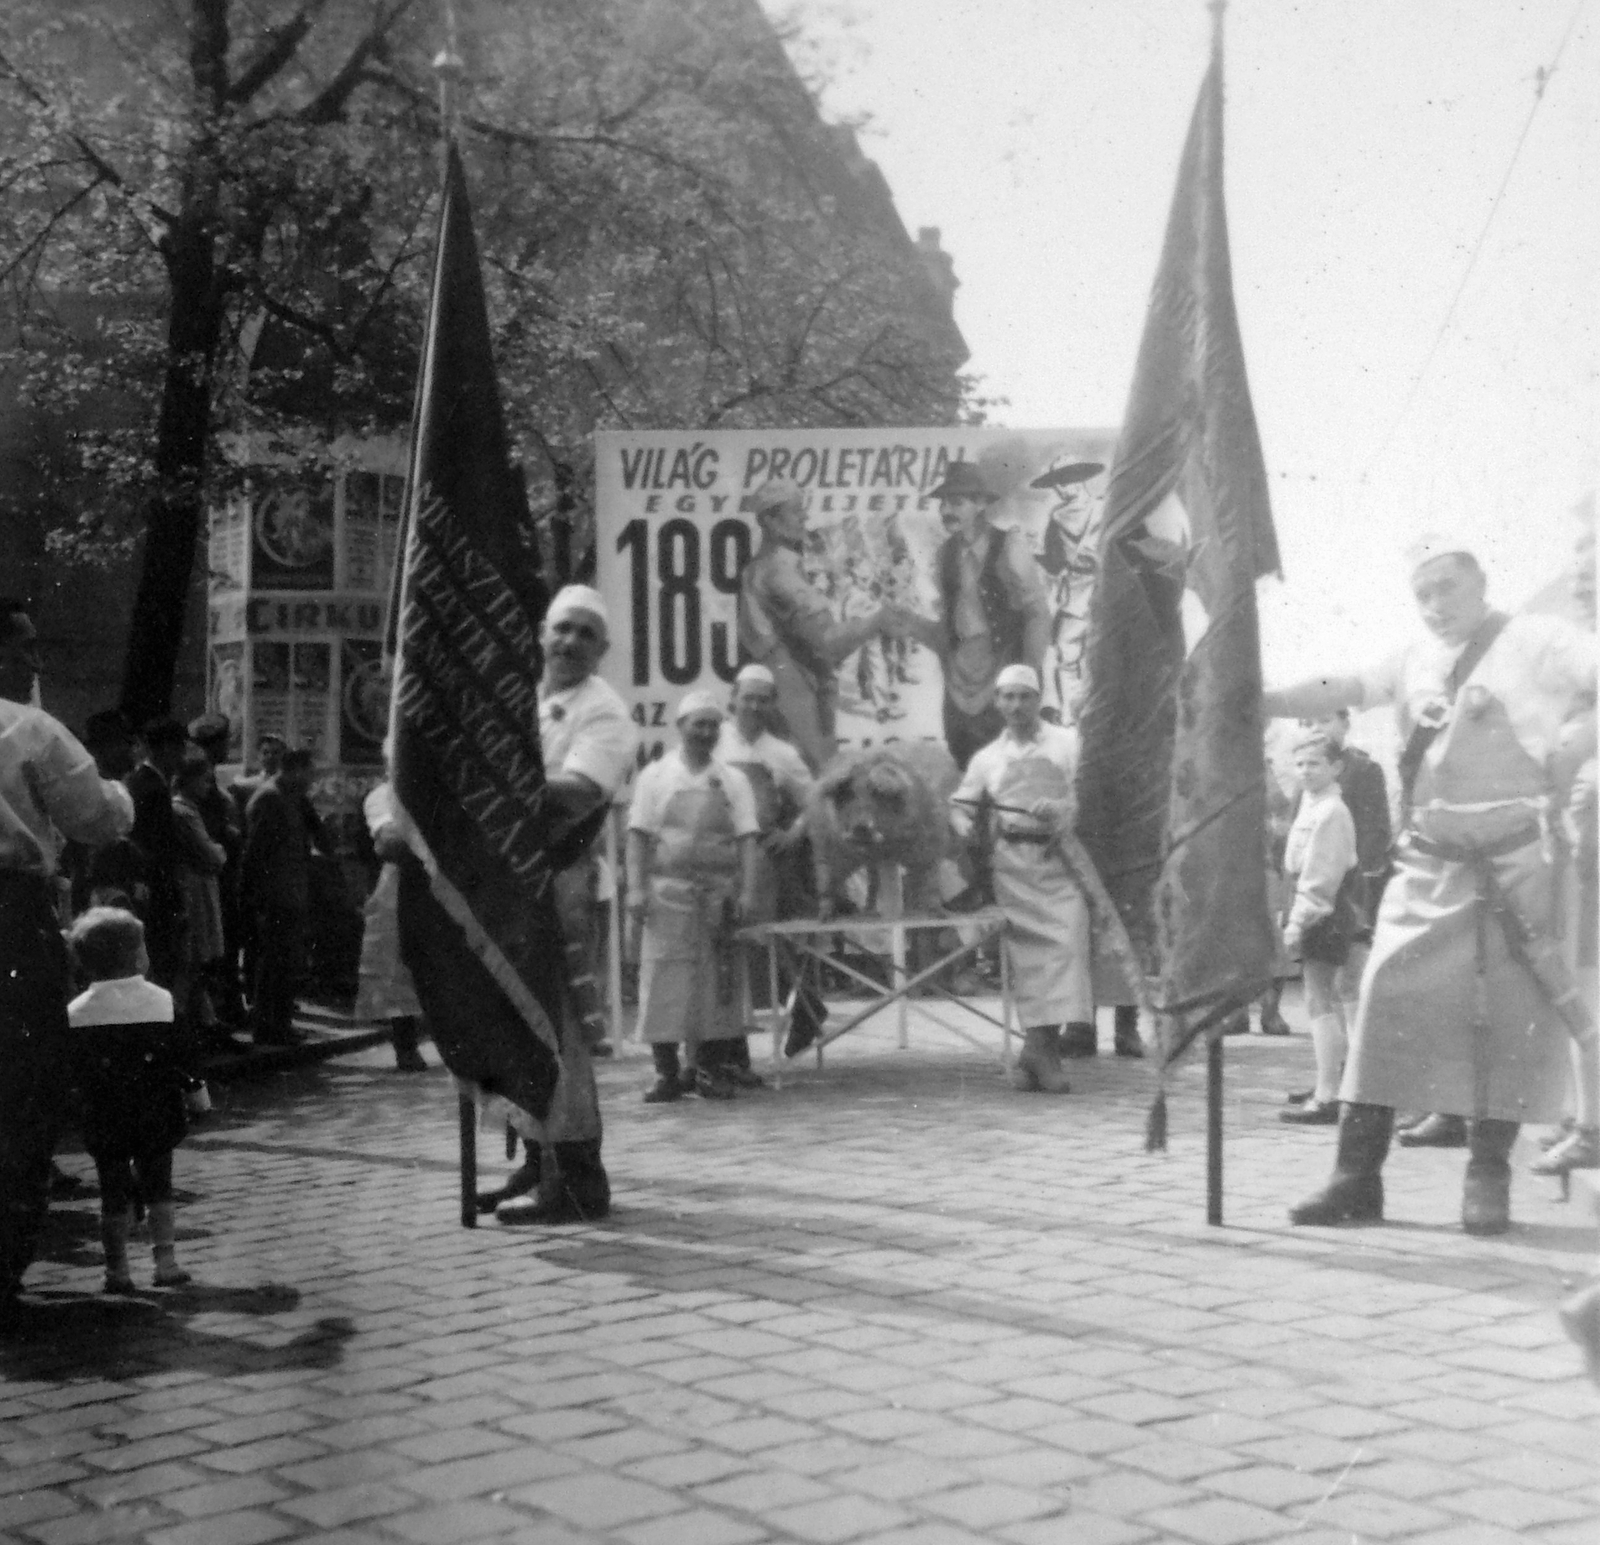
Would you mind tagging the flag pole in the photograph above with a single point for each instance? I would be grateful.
(1215, 1042)
(448, 68)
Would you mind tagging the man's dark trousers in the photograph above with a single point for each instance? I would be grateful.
(280, 961)
(33, 1064)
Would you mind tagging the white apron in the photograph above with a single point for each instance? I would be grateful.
(1448, 1020)
(688, 973)
(1047, 919)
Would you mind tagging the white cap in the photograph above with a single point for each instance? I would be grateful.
(1018, 676)
(579, 598)
(701, 700)
(1433, 545)
(755, 671)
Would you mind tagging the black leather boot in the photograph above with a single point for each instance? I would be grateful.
(667, 1088)
(1126, 1042)
(1354, 1192)
(582, 1193)
(519, 1182)
(1486, 1191)
(1078, 1039)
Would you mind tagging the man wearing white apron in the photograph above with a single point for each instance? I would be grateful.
(692, 831)
(1021, 785)
(781, 783)
(589, 744)
(1466, 1003)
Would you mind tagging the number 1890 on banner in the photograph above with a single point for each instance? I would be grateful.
(666, 586)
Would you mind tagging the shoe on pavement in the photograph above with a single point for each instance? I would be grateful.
(1311, 1113)
(712, 1085)
(1079, 1040)
(664, 1091)
(746, 1078)
(1275, 1024)
(1579, 1149)
(1435, 1131)
(1299, 1097)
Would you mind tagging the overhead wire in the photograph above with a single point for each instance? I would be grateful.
(1542, 77)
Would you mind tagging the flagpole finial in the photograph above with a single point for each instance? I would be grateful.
(449, 66)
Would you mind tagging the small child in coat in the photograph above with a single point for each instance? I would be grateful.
(133, 1072)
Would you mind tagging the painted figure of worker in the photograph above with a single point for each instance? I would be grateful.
(789, 626)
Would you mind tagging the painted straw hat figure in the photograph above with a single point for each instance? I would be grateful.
(995, 609)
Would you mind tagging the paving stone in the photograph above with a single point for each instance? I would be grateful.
(225, 1496)
(989, 1505)
(1078, 1527)
(455, 1523)
(835, 1519)
(484, 1474)
(696, 1527)
(1219, 1523)
(594, 1500)
(762, 1492)
(1514, 1507)
(245, 1528)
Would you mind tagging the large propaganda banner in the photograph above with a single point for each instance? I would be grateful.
(674, 531)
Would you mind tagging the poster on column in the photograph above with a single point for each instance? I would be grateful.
(674, 535)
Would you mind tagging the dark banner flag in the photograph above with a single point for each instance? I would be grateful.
(1171, 787)
(477, 923)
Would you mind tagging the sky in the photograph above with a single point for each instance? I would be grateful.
(1366, 142)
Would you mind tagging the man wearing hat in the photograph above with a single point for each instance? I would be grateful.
(49, 789)
(996, 609)
(589, 744)
(692, 832)
(225, 825)
(787, 625)
(781, 783)
(1466, 1003)
(1017, 797)
(275, 885)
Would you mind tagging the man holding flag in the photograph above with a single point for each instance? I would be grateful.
(487, 833)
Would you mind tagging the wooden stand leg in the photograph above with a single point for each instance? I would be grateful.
(1005, 1005)
(891, 906)
(1214, 1131)
(619, 921)
(775, 1014)
(469, 1161)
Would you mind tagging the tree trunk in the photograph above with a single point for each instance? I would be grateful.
(176, 512)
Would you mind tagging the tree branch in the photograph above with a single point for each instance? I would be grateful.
(41, 237)
(103, 169)
(329, 104)
(278, 46)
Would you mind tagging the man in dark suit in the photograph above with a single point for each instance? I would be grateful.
(275, 890)
(157, 836)
(995, 609)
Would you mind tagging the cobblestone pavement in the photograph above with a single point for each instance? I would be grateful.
(890, 1302)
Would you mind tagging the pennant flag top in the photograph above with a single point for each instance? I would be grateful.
(477, 923)
(1171, 785)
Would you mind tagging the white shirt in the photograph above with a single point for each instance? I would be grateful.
(49, 789)
(670, 774)
(585, 731)
(1053, 742)
(787, 766)
(1319, 852)
(124, 1000)
(1538, 668)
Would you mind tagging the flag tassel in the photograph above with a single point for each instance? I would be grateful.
(1155, 1122)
